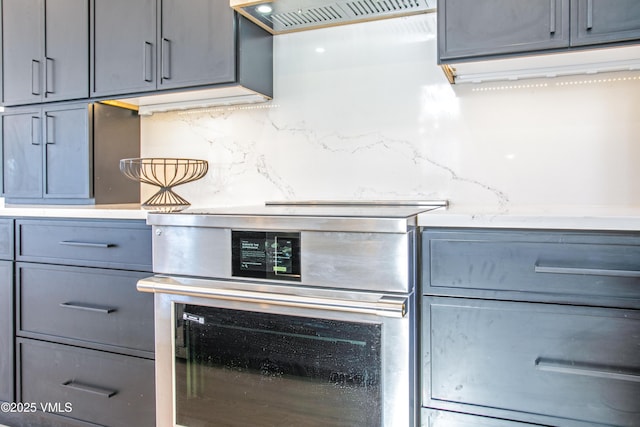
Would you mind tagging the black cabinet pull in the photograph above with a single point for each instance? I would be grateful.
(552, 16)
(86, 244)
(50, 124)
(587, 369)
(100, 391)
(589, 14)
(87, 307)
(585, 271)
(35, 130)
(147, 66)
(166, 58)
(48, 71)
(35, 77)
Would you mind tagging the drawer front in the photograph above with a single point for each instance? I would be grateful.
(565, 266)
(434, 418)
(6, 239)
(6, 331)
(109, 244)
(573, 363)
(103, 388)
(88, 304)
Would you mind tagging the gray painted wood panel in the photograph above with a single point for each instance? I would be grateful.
(476, 28)
(604, 21)
(197, 43)
(576, 364)
(103, 388)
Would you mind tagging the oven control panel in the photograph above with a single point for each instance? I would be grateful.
(266, 255)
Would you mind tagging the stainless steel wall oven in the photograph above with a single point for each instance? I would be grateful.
(285, 316)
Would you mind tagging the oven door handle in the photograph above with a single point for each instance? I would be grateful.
(385, 305)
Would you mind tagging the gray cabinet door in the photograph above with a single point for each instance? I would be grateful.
(22, 154)
(124, 46)
(46, 55)
(66, 60)
(604, 21)
(67, 156)
(476, 28)
(529, 361)
(6, 331)
(197, 43)
(23, 22)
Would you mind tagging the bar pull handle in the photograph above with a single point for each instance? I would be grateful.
(86, 244)
(87, 307)
(585, 271)
(50, 123)
(587, 369)
(35, 130)
(552, 16)
(166, 58)
(100, 391)
(589, 15)
(35, 77)
(385, 306)
(147, 66)
(48, 70)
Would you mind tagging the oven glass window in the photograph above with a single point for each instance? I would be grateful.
(239, 368)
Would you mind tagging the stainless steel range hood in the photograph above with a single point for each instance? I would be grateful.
(284, 16)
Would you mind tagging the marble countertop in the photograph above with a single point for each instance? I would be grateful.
(126, 211)
(541, 217)
(624, 218)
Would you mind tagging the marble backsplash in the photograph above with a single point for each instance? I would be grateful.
(364, 112)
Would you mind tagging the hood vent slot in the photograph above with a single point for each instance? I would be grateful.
(283, 16)
(315, 16)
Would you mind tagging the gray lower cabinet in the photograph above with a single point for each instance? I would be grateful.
(483, 29)
(88, 385)
(167, 44)
(68, 153)
(6, 311)
(46, 50)
(84, 335)
(530, 326)
(437, 418)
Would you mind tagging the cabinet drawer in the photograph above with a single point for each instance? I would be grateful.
(569, 267)
(88, 304)
(6, 239)
(109, 244)
(433, 418)
(103, 388)
(571, 363)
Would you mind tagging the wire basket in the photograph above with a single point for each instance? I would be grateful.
(165, 173)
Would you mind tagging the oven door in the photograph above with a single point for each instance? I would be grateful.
(239, 354)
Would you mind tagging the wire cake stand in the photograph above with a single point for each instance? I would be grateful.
(165, 173)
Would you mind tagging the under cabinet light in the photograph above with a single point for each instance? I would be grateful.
(592, 61)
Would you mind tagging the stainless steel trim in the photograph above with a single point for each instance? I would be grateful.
(384, 306)
(285, 222)
(586, 369)
(585, 271)
(380, 203)
(284, 16)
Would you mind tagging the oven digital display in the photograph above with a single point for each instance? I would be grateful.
(266, 255)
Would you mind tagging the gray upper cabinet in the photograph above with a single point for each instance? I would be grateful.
(604, 21)
(46, 50)
(49, 152)
(123, 38)
(196, 43)
(470, 28)
(483, 29)
(161, 44)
